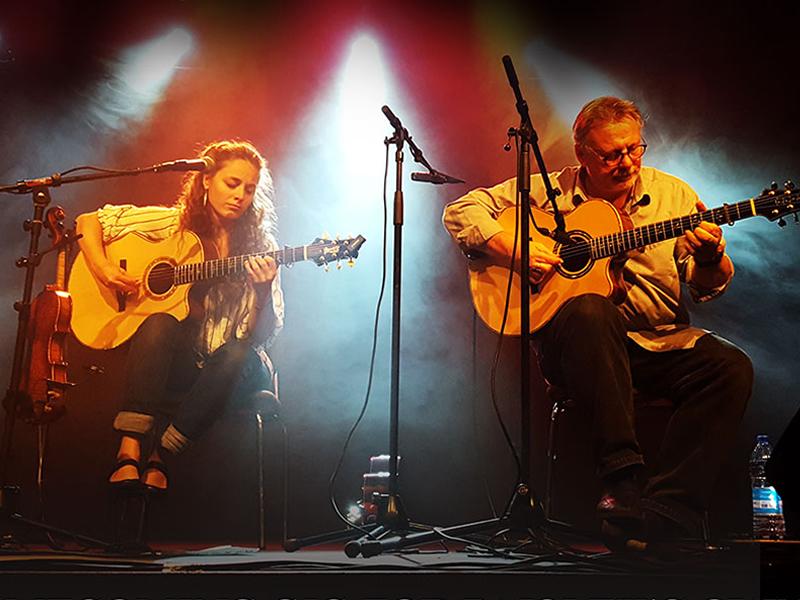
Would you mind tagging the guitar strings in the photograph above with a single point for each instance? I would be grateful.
(167, 272)
(583, 247)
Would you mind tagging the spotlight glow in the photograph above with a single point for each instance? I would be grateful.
(567, 81)
(138, 79)
(148, 67)
(362, 90)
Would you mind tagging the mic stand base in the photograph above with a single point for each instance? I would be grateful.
(83, 539)
(524, 514)
(391, 517)
(8, 516)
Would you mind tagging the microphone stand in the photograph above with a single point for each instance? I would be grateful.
(39, 188)
(392, 517)
(391, 522)
(524, 513)
(526, 509)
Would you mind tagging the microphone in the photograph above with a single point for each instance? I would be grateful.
(510, 72)
(392, 118)
(202, 164)
(435, 177)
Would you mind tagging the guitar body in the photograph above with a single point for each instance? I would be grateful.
(101, 318)
(578, 274)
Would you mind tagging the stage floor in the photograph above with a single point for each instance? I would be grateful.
(737, 570)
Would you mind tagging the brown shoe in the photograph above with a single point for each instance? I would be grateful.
(621, 501)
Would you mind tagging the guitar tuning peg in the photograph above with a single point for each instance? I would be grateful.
(325, 236)
(781, 222)
(338, 266)
(773, 186)
(325, 267)
(352, 263)
(789, 185)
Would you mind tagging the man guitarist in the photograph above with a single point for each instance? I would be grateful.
(187, 371)
(600, 351)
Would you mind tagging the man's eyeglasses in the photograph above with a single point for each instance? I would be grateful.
(612, 159)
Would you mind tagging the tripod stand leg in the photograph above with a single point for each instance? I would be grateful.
(524, 514)
(369, 548)
(293, 544)
(62, 532)
(354, 547)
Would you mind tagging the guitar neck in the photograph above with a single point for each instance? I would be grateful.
(234, 265)
(630, 239)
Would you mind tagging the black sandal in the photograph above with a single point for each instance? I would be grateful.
(156, 465)
(125, 483)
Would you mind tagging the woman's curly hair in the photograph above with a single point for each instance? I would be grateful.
(253, 232)
(255, 229)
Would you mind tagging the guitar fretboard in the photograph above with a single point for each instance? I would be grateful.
(233, 265)
(623, 241)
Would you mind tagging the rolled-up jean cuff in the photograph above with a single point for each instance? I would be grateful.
(174, 441)
(132, 422)
(687, 518)
(617, 461)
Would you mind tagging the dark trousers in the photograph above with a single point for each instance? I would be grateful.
(163, 379)
(586, 350)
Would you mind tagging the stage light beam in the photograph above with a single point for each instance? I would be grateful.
(137, 80)
(362, 90)
(148, 67)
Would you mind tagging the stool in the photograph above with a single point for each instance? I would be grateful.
(561, 402)
(265, 406)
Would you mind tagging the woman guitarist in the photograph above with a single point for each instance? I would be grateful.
(180, 375)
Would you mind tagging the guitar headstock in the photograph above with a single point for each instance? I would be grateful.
(775, 203)
(324, 251)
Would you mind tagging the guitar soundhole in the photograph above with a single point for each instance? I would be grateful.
(577, 255)
(161, 278)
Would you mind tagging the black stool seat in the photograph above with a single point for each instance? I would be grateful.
(263, 402)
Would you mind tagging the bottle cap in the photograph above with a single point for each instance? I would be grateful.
(762, 438)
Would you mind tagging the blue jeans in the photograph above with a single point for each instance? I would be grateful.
(163, 380)
(585, 348)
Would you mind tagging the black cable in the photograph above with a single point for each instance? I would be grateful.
(496, 360)
(335, 474)
(97, 170)
(476, 431)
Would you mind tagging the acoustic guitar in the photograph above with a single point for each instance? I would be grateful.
(103, 318)
(597, 237)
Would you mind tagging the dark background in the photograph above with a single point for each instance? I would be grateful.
(720, 90)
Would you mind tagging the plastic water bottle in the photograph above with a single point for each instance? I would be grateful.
(767, 505)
